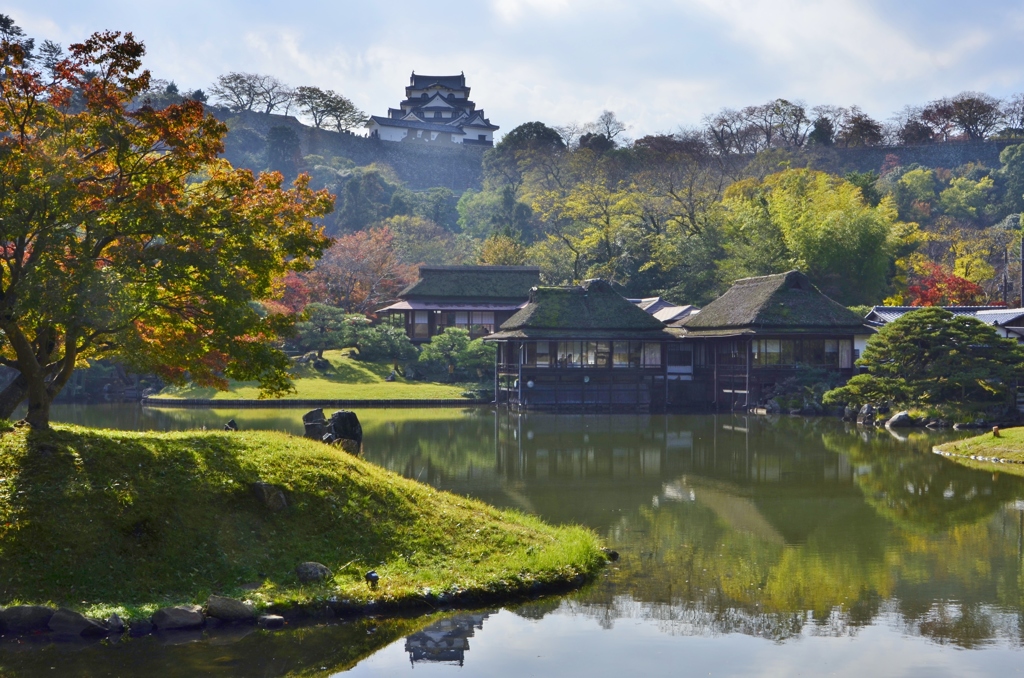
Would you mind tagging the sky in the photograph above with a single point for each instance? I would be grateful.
(658, 64)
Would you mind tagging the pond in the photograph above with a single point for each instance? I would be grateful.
(749, 546)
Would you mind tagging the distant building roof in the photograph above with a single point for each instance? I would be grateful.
(448, 81)
(467, 283)
(416, 124)
(881, 315)
(781, 303)
(591, 309)
(665, 311)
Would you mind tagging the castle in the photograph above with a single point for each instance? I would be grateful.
(436, 109)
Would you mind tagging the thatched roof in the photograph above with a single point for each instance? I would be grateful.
(772, 304)
(461, 283)
(590, 310)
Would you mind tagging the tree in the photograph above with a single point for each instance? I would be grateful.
(934, 358)
(326, 328)
(453, 351)
(251, 92)
(122, 234)
(859, 129)
(976, 114)
(384, 342)
(360, 272)
(938, 287)
(502, 250)
(817, 223)
(327, 106)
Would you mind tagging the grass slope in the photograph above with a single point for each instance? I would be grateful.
(121, 521)
(348, 380)
(1009, 445)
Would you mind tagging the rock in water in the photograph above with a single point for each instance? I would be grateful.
(345, 424)
(315, 424)
(25, 618)
(229, 609)
(310, 572)
(180, 617)
(271, 621)
(114, 624)
(901, 420)
(270, 496)
(70, 623)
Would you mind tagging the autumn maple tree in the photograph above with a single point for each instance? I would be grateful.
(123, 235)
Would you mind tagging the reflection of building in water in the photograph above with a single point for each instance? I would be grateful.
(445, 641)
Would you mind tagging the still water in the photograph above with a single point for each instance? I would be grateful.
(749, 546)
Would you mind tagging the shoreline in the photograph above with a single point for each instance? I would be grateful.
(285, 403)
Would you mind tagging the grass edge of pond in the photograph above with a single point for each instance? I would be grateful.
(106, 521)
(1009, 446)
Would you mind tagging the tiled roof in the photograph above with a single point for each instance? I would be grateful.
(881, 315)
(416, 124)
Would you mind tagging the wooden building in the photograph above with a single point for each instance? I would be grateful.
(475, 298)
(581, 348)
(756, 335)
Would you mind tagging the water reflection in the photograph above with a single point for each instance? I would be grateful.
(767, 528)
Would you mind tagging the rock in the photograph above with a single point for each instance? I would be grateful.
(901, 420)
(345, 424)
(866, 416)
(322, 365)
(372, 578)
(314, 417)
(270, 496)
(772, 407)
(70, 623)
(114, 624)
(229, 609)
(328, 438)
(610, 554)
(179, 617)
(140, 627)
(310, 572)
(849, 414)
(25, 618)
(351, 446)
(271, 621)
(232, 425)
(391, 377)
(883, 408)
(315, 424)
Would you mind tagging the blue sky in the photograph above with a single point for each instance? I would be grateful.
(659, 64)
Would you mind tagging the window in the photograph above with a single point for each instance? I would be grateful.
(620, 354)
(481, 137)
(543, 354)
(602, 354)
(679, 355)
(482, 321)
(831, 353)
(652, 354)
(570, 354)
(420, 325)
(636, 354)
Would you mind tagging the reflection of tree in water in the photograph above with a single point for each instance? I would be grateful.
(447, 640)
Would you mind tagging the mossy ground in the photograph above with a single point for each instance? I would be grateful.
(106, 521)
(1009, 445)
(348, 379)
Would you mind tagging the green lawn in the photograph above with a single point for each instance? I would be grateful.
(347, 380)
(106, 521)
(1009, 445)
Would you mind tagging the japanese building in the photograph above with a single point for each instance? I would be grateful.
(436, 109)
(475, 298)
(756, 335)
(581, 348)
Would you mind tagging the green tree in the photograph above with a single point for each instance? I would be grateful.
(124, 236)
(384, 342)
(328, 108)
(1012, 174)
(933, 358)
(453, 351)
(966, 198)
(324, 328)
(817, 223)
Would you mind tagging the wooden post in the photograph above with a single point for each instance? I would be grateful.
(750, 346)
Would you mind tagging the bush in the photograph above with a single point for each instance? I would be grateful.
(454, 354)
(384, 342)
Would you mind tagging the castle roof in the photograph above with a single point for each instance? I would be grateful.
(447, 81)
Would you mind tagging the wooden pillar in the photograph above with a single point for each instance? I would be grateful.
(750, 346)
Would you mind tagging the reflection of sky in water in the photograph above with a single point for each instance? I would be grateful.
(749, 546)
(563, 644)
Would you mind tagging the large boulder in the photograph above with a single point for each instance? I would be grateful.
(345, 425)
(179, 617)
(25, 618)
(310, 572)
(901, 420)
(866, 416)
(315, 424)
(270, 496)
(70, 623)
(229, 609)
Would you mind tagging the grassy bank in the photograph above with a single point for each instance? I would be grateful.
(118, 521)
(1009, 446)
(348, 379)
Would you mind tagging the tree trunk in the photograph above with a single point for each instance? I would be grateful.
(12, 396)
(39, 400)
